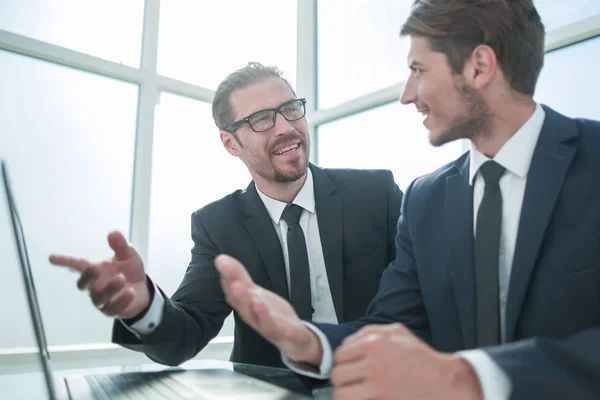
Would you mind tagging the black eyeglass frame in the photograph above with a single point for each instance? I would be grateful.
(232, 127)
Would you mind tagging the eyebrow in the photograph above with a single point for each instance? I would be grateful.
(414, 63)
(267, 109)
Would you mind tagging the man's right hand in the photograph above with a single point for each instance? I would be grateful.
(117, 287)
(267, 313)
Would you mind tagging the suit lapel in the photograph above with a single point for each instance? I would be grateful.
(329, 211)
(549, 166)
(260, 227)
(458, 216)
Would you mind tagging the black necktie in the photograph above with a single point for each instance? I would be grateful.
(298, 260)
(487, 249)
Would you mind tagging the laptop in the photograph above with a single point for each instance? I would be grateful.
(165, 384)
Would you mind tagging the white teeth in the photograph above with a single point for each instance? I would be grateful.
(286, 149)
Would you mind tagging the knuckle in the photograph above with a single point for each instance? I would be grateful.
(374, 345)
(96, 294)
(95, 298)
(109, 311)
(399, 328)
(115, 284)
(95, 287)
(365, 330)
(92, 271)
(112, 308)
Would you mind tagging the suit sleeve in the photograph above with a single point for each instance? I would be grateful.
(194, 314)
(399, 296)
(543, 368)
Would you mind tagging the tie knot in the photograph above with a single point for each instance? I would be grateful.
(291, 214)
(492, 172)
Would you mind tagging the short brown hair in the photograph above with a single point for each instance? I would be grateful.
(253, 72)
(512, 28)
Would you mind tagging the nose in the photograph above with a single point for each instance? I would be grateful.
(409, 93)
(282, 125)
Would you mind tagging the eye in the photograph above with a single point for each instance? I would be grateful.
(261, 117)
(290, 109)
(416, 71)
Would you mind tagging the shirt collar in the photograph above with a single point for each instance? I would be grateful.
(305, 199)
(517, 152)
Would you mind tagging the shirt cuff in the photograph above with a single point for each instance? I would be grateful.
(495, 384)
(148, 323)
(324, 369)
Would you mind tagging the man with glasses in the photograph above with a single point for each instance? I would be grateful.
(320, 238)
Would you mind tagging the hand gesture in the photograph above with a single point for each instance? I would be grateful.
(267, 313)
(117, 287)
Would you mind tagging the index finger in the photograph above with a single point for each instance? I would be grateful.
(75, 263)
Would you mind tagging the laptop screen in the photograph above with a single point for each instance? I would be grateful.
(32, 299)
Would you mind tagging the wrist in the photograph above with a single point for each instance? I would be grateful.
(311, 351)
(315, 350)
(145, 302)
(464, 379)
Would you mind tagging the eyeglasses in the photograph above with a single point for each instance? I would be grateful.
(264, 120)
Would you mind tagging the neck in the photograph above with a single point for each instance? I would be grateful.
(282, 191)
(506, 119)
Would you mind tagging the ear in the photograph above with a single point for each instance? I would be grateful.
(230, 144)
(481, 67)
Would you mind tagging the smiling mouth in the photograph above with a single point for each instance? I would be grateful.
(287, 149)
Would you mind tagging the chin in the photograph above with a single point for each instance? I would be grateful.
(435, 139)
(290, 174)
(441, 138)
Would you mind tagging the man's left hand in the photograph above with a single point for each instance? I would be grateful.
(389, 362)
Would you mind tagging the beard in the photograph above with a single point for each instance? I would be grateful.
(475, 123)
(292, 175)
(262, 164)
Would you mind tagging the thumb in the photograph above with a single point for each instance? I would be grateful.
(231, 269)
(120, 246)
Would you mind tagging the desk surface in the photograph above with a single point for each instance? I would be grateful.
(32, 386)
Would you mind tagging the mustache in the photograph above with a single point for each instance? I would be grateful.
(288, 137)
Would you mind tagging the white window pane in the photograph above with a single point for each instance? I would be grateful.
(359, 48)
(555, 14)
(191, 168)
(203, 41)
(110, 29)
(577, 93)
(68, 137)
(391, 137)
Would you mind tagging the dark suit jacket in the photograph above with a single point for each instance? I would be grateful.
(357, 213)
(553, 309)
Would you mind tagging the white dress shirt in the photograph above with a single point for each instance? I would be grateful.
(320, 293)
(515, 156)
(322, 302)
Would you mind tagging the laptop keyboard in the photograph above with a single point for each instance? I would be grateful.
(147, 386)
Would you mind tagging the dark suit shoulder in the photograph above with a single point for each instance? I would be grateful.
(227, 206)
(589, 129)
(363, 178)
(437, 178)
